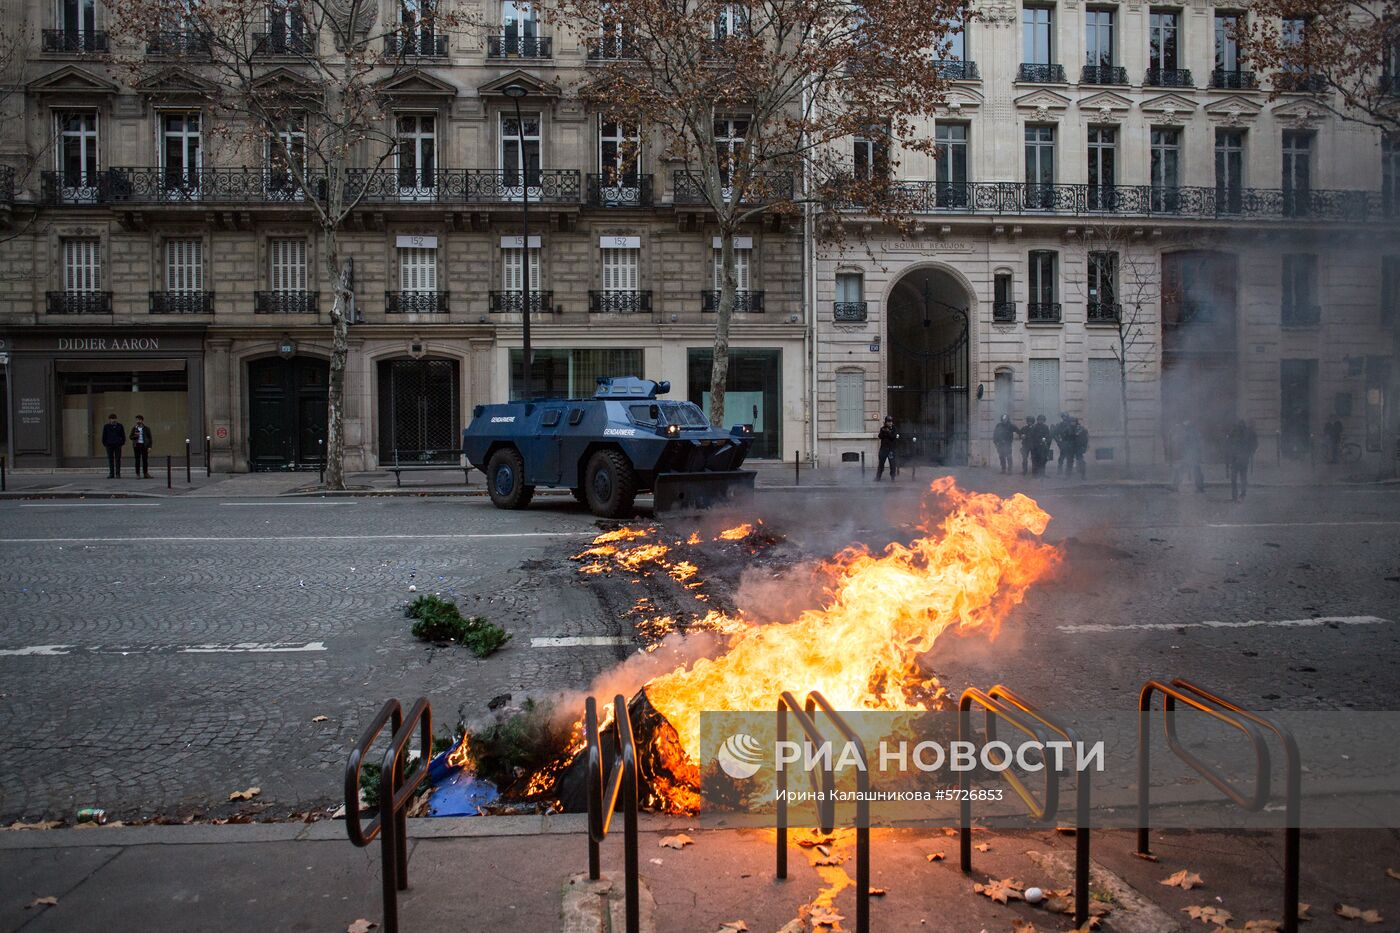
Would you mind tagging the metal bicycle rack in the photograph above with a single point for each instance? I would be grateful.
(1251, 724)
(1001, 703)
(826, 807)
(395, 793)
(603, 795)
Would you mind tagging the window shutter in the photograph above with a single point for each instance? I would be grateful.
(741, 269)
(850, 402)
(417, 269)
(184, 265)
(620, 267)
(288, 265)
(82, 266)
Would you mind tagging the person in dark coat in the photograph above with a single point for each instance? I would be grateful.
(1079, 446)
(1002, 436)
(114, 439)
(1240, 445)
(1026, 444)
(141, 441)
(1041, 446)
(887, 436)
(1063, 436)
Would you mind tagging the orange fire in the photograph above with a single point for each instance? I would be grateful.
(737, 533)
(880, 613)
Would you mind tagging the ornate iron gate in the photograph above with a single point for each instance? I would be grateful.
(418, 411)
(930, 399)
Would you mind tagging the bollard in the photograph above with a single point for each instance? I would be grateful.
(187, 461)
(207, 439)
(322, 446)
(2, 474)
(167, 472)
(797, 467)
(862, 464)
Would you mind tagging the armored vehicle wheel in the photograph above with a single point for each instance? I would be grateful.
(610, 484)
(580, 494)
(505, 480)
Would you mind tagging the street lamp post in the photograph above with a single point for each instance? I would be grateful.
(515, 92)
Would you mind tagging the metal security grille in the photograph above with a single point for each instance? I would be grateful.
(418, 411)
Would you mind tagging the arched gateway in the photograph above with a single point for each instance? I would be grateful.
(928, 346)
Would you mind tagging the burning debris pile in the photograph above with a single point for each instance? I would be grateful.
(878, 614)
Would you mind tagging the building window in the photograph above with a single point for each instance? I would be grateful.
(1227, 44)
(82, 265)
(1162, 40)
(731, 20)
(1098, 38)
(512, 141)
(956, 38)
(417, 153)
(729, 144)
(77, 155)
(184, 265)
(1003, 300)
(741, 269)
(870, 155)
(1297, 171)
(417, 269)
(1005, 392)
(78, 20)
(1166, 169)
(181, 149)
(1040, 166)
(283, 155)
(619, 152)
(850, 287)
(1390, 176)
(622, 270)
(1037, 35)
(1390, 289)
(286, 264)
(1300, 307)
(1044, 388)
(1041, 278)
(1103, 151)
(753, 393)
(1104, 410)
(572, 373)
(1229, 170)
(519, 25)
(850, 401)
(1103, 286)
(286, 26)
(950, 164)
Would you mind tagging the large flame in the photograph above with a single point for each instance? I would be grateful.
(881, 612)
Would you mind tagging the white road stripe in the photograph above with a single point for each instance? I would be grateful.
(246, 647)
(1211, 623)
(35, 651)
(1297, 524)
(88, 505)
(241, 540)
(279, 504)
(580, 641)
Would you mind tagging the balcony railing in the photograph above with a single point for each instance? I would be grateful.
(1104, 312)
(519, 47)
(611, 48)
(514, 301)
(762, 187)
(1041, 74)
(1043, 312)
(1168, 77)
(1097, 74)
(415, 302)
(848, 312)
(413, 44)
(178, 42)
(611, 190)
(1300, 315)
(286, 302)
(619, 302)
(78, 302)
(956, 70)
(69, 40)
(471, 185)
(1004, 312)
(284, 43)
(1233, 80)
(182, 302)
(1299, 83)
(747, 302)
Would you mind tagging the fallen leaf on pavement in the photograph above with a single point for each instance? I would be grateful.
(983, 847)
(361, 926)
(935, 856)
(827, 861)
(1186, 880)
(248, 794)
(793, 926)
(1146, 856)
(1263, 926)
(655, 861)
(816, 839)
(1303, 909)
(1022, 926)
(319, 718)
(1205, 914)
(1000, 889)
(1348, 912)
(44, 902)
(878, 892)
(678, 841)
(733, 926)
(1392, 873)
(1089, 925)
(949, 831)
(825, 917)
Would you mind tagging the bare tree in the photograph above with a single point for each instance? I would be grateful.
(759, 100)
(301, 82)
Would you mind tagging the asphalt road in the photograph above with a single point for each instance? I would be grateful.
(156, 655)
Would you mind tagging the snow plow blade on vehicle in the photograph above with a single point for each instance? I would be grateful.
(607, 449)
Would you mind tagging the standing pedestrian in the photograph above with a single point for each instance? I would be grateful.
(887, 437)
(1240, 445)
(1079, 438)
(1002, 436)
(1063, 436)
(1333, 430)
(1042, 448)
(141, 441)
(114, 439)
(1026, 444)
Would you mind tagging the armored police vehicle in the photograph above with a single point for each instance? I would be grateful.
(607, 449)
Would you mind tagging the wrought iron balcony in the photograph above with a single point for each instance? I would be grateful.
(1043, 312)
(612, 190)
(471, 186)
(762, 187)
(7, 184)
(747, 302)
(611, 48)
(1299, 83)
(1104, 312)
(1299, 314)
(1168, 77)
(415, 302)
(619, 302)
(519, 47)
(1101, 74)
(848, 312)
(415, 44)
(178, 43)
(1004, 312)
(1041, 74)
(73, 41)
(182, 302)
(957, 70)
(286, 302)
(1233, 80)
(78, 302)
(513, 302)
(284, 43)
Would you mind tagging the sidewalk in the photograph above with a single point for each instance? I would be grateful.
(507, 874)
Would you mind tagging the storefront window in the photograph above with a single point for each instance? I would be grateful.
(161, 397)
(753, 393)
(561, 373)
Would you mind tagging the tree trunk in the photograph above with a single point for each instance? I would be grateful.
(1123, 402)
(340, 350)
(719, 367)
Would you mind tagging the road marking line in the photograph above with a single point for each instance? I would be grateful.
(42, 651)
(1297, 524)
(580, 641)
(246, 647)
(89, 505)
(253, 504)
(254, 648)
(193, 540)
(1211, 623)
